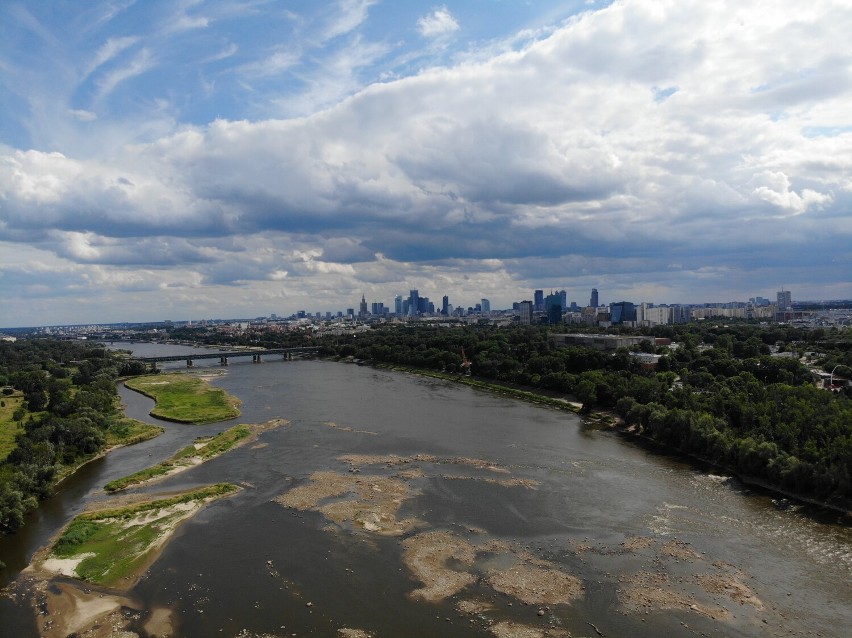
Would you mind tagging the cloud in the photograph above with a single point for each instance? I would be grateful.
(83, 115)
(348, 15)
(629, 138)
(438, 24)
(142, 62)
(110, 49)
(774, 187)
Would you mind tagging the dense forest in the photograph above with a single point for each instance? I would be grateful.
(720, 395)
(65, 401)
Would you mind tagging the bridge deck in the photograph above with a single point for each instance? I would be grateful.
(227, 355)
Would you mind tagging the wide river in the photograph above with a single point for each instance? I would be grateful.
(538, 499)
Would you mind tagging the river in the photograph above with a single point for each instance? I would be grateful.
(620, 519)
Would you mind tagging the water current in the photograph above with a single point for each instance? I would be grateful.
(656, 546)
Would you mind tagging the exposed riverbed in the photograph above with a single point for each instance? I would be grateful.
(404, 506)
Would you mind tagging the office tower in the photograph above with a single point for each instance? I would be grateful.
(563, 296)
(486, 306)
(526, 310)
(445, 305)
(397, 305)
(785, 301)
(593, 302)
(413, 302)
(622, 311)
(553, 306)
(538, 300)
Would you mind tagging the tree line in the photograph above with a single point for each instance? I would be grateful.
(69, 404)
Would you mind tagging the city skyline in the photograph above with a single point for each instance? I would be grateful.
(236, 158)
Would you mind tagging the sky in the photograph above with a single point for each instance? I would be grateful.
(191, 159)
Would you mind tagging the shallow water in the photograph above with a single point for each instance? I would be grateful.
(594, 491)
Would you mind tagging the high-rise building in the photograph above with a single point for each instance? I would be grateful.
(397, 305)
(362, 311)
(622, 311)
(784, 301)
(538, 300)
(593, 302)
(553, 306)
(413, 302)
(563, 298)
(486, 306)
(526, 310)
(445, 305)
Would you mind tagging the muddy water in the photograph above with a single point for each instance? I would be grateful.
(248, 564)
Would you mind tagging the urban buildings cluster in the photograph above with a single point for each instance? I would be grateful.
(552, 308)
(555, 308)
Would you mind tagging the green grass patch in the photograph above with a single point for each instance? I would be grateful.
(185, 398)
(120, 546)
(209, 447)
(8, 427)
(127, 431)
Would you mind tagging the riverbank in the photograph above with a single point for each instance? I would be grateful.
(611, 421)
(125, 431)
(186, 398)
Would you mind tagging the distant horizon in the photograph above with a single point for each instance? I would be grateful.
(220, 157)
(311, 314)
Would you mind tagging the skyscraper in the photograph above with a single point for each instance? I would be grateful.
(445, 305)
(553, 306)
(526, 310)
(593, 302)
(622, 311)
(784, 300)
(538, 300)
(486, 306)
(362, 311)
(413, 302)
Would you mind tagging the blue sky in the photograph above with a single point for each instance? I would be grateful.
(238, 158)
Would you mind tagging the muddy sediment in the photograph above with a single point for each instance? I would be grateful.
(537, 583)
(428, 557)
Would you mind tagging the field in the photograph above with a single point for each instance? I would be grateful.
(186, 398)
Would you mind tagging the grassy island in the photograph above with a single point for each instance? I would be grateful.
(111, 547)
(127, 431)
(186, 398)
(204, 449)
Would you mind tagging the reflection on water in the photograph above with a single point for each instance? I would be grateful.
(597, 507)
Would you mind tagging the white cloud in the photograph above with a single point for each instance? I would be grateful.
(774, 187)
(439, 23)
(530, 165)
(141, 63)
(111, 48)
(83, 115)
(347, 17)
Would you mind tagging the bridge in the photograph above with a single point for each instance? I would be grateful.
(256, 355)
